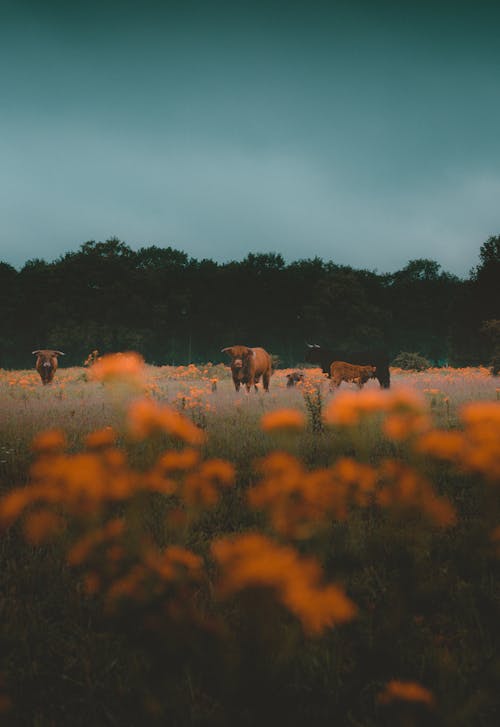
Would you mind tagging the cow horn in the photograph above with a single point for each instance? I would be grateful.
(225, 350)
(59, 353)
(36, 352)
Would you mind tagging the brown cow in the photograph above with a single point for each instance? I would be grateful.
(341, 371)
(46, 363)
(248, 365)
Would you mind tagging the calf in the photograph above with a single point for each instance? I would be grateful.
(46, 363)
(324, 357)
(294, 378)
(248, 365)
(341, 371)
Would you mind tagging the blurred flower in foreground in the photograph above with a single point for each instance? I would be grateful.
(404, 409)
(53, 440)
(255, 561)
(123, 367)
(283, 419)
(406, 691)
(146, 417)
(476, 448)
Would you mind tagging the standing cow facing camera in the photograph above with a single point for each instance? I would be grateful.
(47, 363)
(248, 365)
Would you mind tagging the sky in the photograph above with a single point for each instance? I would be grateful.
(365, 132)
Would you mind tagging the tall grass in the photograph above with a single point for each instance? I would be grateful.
(248, 627)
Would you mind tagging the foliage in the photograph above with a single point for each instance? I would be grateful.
(176, 309)
(411, 361)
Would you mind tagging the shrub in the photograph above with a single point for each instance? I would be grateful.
(411, 361)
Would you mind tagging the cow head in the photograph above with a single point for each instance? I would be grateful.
(46, 363)
(240, 355)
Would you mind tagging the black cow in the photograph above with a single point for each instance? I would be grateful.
(295, 377)
(324, 357)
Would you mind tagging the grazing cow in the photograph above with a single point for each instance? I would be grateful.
(248, 365)
(294, 378)
(46, 363)
(325, 357)
(341, 371)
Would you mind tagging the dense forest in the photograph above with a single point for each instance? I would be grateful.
(176, 309)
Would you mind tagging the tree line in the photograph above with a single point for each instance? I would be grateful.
(176, 309)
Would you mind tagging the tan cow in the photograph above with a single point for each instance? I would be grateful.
(248, 365)
(46, 363)
(341, 371)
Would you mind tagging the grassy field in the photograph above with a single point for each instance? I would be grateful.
(248, 570)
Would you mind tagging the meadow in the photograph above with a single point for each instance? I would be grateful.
(175, 553)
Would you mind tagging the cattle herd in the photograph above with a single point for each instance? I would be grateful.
(250, 365)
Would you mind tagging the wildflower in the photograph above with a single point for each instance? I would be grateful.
(446, 445)
(42, 525)
(348, 406)
(101, 438)
(185, 459)
(254, 561)
(53, 440)
(401, 486)
(145, 417)
(201, 486)
(126, 367)
(406, 691)
(283, 419)
(218, 470)
(175, 563)
(399, 426)
(13, 503)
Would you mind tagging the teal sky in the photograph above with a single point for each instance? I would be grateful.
(365, 132)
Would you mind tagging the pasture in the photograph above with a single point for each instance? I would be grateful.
(339, 569)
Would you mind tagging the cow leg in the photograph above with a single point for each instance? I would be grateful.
(265, 381)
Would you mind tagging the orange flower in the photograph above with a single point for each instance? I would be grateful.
(53, 440)
(347, 406)
(286, 419)
(13, 503)
(186, 459)
(42, 525)
(127, 367)
(446, 445)
(481, 413)
(399, 426)
(145, 417)
(101, 438)
(403, 487)
(407, 691)
(254, 561)
(218, 470)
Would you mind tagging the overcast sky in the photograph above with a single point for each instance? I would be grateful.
(365, 131)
